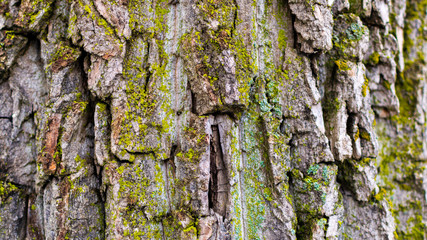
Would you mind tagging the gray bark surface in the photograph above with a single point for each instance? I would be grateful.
(213, 119)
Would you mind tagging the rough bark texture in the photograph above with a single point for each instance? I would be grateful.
(213, 119)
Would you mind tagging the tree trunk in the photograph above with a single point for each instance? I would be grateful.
(213, 119)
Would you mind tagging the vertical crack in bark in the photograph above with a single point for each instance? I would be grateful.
(163, 230)
(218, 183)
(294, 32)
(104, 213)
(91, 135)
(167, 168)
(25, 217)
(147, 67)
(193, 99)
(147, 80)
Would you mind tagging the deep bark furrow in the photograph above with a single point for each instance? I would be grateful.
(199, 119)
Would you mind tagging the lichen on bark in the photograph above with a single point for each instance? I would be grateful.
(213, 119)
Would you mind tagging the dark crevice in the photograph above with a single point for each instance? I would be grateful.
(306, 223)
(147, 68)
(231, 115)
(219, 188)
(305, 220)
(5, 117)
(295, 33)
(326, 163)
(24, 221)
(90, 118)
(253, 89)
(344, 177)
(31, 115)
(193, 99)
(314, 66)
(351, 121)
(97, 169)
(45, 183)
(117, 159)
(81, 63)
(104, 187)
(143, 212)
(285, 128)
(102, 202)
(17, 4)
(292, 183)
(173, 2)
(147, 80)
(171, 161)
(31, 36)
(139, 154)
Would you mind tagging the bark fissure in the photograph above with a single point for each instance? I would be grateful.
(218, 182)
(220, 119)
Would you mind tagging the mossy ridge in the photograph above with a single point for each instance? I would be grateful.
(406, 84)
(32, 13)
(399, 157)
(398, 162)
(6, 189)
(365, 87)
(140, 105)
(235, 190)
(145, 197)
(63, 56)
(91, 11)
(255, 204)
(310, 188)
(414, 227)
(349, 37)
(246, 66)
(215, 41)
(331, 105)
(260, 197)
(374, 58)
(263, 111)
(415, 9)
(142, 76)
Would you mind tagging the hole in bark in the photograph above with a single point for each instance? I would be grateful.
(192, 99)
(171, 161)
(351, 121)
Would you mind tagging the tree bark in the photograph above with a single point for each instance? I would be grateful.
(213, 119)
